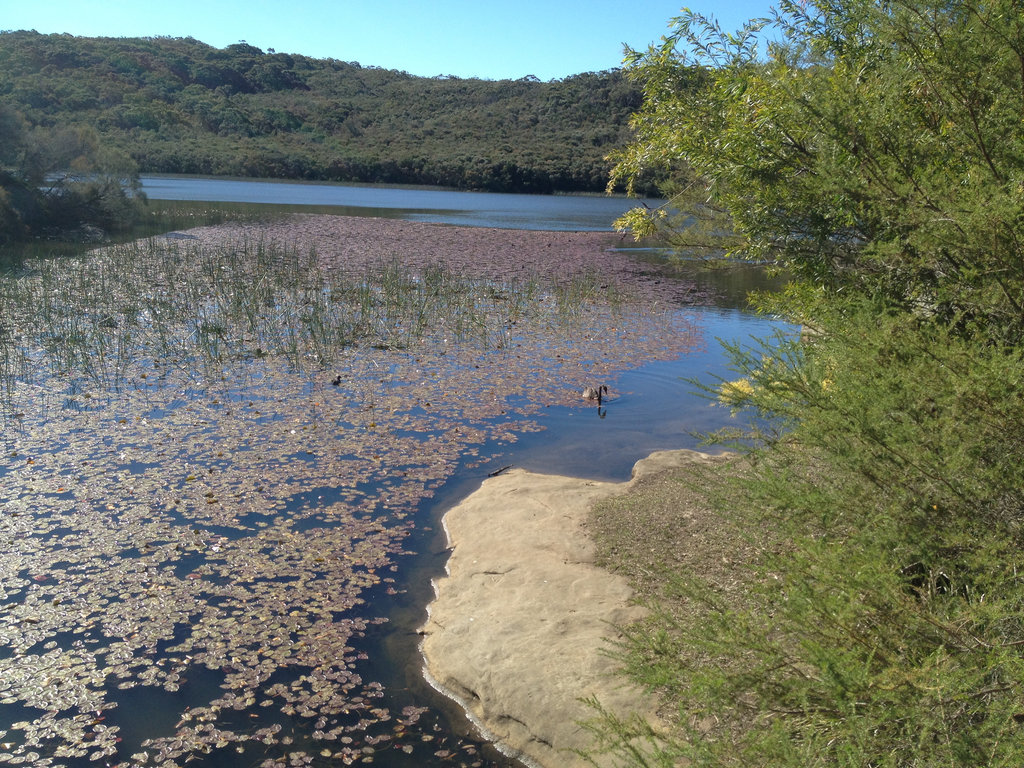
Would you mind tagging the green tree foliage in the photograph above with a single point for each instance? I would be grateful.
(180, 106)
(57, 181)
(881, 145)
(876, 153)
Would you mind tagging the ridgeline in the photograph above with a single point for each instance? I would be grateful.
(177, 105)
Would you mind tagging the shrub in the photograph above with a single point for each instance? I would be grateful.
(883, 625)
(875, 153)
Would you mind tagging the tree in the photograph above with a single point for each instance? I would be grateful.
(877, 144)
(178, 105)
(12, 190)
(876, 153)
(56, 181)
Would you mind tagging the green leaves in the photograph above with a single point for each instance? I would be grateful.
(878, 148)
(62, 182)
(876, 621)
(178, 105)
(876, 154)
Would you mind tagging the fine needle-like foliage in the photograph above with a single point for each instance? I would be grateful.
(875, 152)
(63, 183)
(879, 146)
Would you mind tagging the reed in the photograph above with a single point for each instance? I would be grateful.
(101, 316)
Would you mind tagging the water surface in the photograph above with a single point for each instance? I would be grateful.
(216, 555)
(477, 209)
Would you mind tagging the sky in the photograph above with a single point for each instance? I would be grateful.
(492, 39)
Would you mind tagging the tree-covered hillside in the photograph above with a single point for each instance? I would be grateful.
(181, 106)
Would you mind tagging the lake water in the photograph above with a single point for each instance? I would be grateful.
(474, 209)
(657, 411)
(141, 457)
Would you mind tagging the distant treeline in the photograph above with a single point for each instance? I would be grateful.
(177, 105)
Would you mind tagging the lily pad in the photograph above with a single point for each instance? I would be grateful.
(204, 525)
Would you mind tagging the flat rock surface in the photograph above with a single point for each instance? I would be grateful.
(520, 628)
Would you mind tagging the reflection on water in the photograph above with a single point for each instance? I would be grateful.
(651, 408)
(728, 283)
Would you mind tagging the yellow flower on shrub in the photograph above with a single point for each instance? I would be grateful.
(828, 383)
(735, 392)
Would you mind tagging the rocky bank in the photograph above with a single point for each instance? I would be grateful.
(520, 628)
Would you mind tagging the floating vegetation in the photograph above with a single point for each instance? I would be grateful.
(214, 452)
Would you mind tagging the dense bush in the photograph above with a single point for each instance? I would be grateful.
(63, 183)
(875, 153)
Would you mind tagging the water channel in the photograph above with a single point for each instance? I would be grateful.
(410, 724)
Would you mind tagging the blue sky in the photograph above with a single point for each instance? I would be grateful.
(492, 39)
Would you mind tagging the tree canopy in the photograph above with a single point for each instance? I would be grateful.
(63, 182)
(878, 144)
(877, 153)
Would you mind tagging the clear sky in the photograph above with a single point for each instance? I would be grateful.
(492, 39)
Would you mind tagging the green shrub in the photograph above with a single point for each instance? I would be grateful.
(883, 625)
(875, 152)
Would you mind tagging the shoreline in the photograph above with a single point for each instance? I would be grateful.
(520, 627)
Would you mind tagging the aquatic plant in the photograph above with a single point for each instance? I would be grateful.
(199, 530)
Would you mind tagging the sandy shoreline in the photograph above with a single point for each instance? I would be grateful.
(520, 626)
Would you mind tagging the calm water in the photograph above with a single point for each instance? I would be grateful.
(656, 409)
(475, 209)
(653, 409)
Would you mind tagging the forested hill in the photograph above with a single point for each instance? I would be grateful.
(177, 105)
